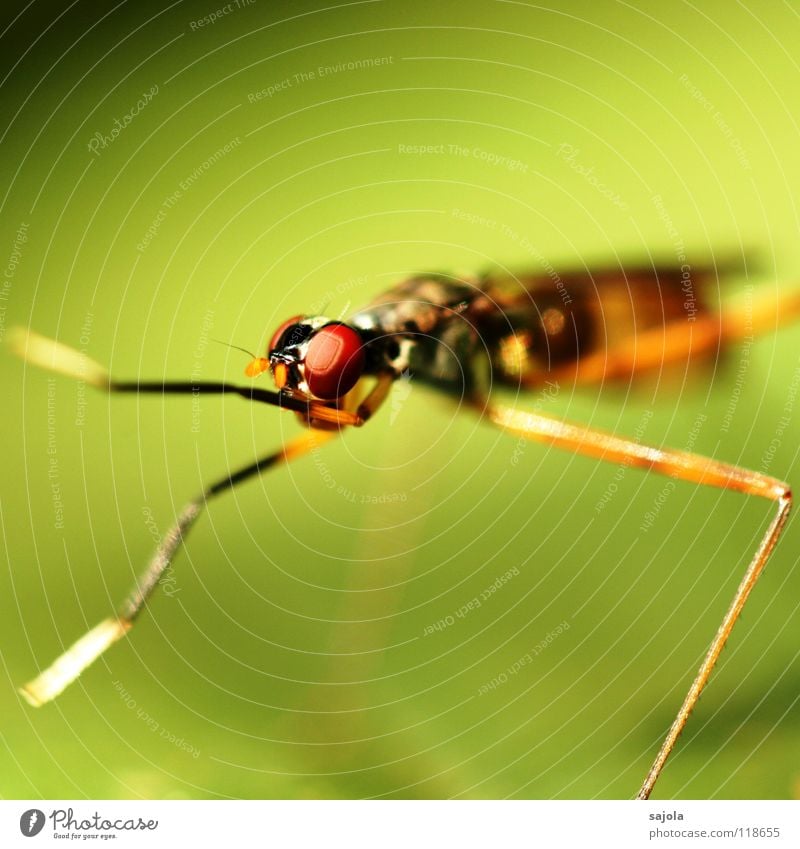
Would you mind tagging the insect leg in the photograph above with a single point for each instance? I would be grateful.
(759, 313)
(742, 318)
(676, 342)
(57, 357)
(62, 672)
(377, 395)
(677, 464)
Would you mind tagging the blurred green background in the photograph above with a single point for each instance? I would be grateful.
(168, 178)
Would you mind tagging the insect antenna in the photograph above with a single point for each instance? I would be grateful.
(235, 347)
(256, 366)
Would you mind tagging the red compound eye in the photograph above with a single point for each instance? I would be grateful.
(276, 336)
(334, 362)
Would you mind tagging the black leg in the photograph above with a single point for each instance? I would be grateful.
(62, 672)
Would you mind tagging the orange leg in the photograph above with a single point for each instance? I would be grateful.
(375, 398)
(650, 349)
(677, 464)
(753, 315)
(745, 317)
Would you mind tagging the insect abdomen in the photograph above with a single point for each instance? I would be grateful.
(536, 326)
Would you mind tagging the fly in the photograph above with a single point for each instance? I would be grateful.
(463, 336)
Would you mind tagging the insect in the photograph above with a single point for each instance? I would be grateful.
(463, 336)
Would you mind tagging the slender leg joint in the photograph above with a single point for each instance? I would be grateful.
(784, 501)
(677, 464)
(62, 672)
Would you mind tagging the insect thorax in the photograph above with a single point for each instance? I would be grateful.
(461, 335)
